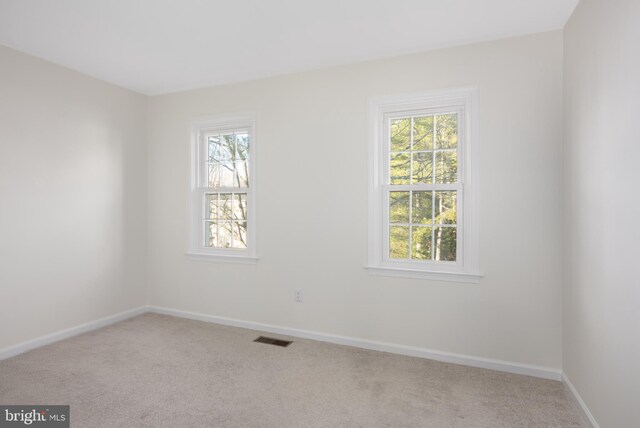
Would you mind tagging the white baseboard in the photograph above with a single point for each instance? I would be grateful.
(583, 406)
(447, 357)
(14, 350)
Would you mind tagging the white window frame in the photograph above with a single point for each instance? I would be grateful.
(199, 128)
(463, 101)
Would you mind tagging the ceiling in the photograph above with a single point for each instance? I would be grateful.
(160, 46)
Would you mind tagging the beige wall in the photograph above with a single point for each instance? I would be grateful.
(312, 154)
(602, 143)
(72, 198)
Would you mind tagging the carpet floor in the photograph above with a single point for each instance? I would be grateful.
(161, 371)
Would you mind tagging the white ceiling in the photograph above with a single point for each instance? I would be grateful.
(159, 46)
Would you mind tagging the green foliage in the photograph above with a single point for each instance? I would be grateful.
(429, 166)
(422, 238)
(446, 131)
(423, 167)
(399, 207)
(422, 207)
(400, 135)
(431, 152)
(399, 242)
(423, 133)
(445, 243)
(445, 204)
(446, 166)
(400, 169)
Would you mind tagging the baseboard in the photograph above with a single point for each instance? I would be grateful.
(20, 348)
(412, 351)
(485, 363)
(583, 406)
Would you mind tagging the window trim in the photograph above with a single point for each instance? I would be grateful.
(466, 267)
(196, 251)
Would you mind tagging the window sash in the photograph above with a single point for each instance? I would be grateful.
(385, 187)
(385, 139)
(464, 101)
(203, 155)
(201, 131)
(203, 220)
(386, 224)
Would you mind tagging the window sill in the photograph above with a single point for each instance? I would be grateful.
(217, 258)
(471, 278)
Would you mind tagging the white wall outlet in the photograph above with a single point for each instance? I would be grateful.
(298, 295)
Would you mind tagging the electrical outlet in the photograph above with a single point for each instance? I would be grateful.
(298, 295)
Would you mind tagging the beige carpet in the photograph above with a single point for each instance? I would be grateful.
(161, 371)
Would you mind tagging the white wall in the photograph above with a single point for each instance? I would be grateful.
(312, 131)
(72, 198)
(602, 143)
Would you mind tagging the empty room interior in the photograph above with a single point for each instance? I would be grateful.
(278, 213)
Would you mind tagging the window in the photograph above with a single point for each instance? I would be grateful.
(222, 202)
(422, 186)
